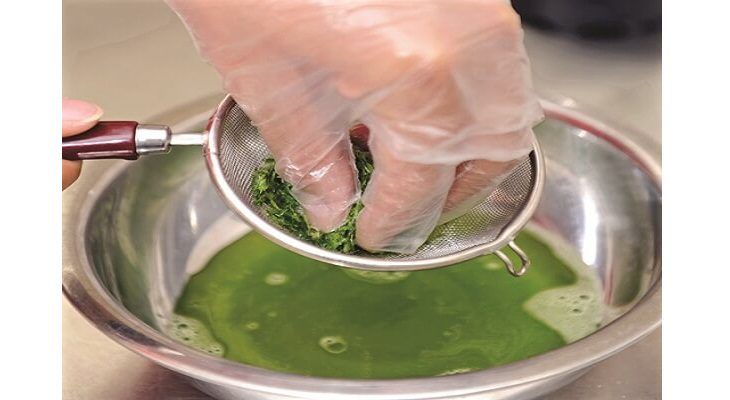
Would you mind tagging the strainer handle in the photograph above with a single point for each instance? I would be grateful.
(117, 139)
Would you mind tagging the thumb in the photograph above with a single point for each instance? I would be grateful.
(79, 116)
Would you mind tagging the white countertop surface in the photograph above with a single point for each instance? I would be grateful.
(135, 59)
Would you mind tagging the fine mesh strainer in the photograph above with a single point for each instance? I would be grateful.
(233, 150)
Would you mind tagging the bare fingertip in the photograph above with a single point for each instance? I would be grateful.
(81, 112)
(78, 116)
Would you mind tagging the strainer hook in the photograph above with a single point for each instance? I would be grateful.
(524, 260)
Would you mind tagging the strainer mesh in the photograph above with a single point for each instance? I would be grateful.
(242, 151)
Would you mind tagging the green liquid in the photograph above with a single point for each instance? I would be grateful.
(259, 304)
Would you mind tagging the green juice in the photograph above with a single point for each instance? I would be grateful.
(259, 304)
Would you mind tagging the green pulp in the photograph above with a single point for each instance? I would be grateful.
(265, 306)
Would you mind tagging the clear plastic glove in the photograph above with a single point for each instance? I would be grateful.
(78, 116)
(443, 86)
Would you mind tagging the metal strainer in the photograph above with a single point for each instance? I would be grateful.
(233, 150)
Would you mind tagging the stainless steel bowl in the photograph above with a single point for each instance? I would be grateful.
(132, 230)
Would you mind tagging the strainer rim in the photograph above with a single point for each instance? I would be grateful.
(211, 152)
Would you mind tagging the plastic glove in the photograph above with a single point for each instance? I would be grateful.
(443, 87)
(78, 116)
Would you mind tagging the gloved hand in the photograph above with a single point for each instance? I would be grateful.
(443, 86)
(78, 116)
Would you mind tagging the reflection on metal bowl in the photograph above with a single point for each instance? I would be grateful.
(130, 236)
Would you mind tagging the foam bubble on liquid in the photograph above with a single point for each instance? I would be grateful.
(276, 279)
(252, 326)
(194, 334)
(564, 310)
(333, 344)
(573, 311)
(377, 277)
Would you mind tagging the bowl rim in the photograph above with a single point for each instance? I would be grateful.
(85, 293)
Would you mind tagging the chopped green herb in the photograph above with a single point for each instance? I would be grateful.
(273, 195)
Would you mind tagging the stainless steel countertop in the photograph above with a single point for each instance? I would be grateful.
(135, 59)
